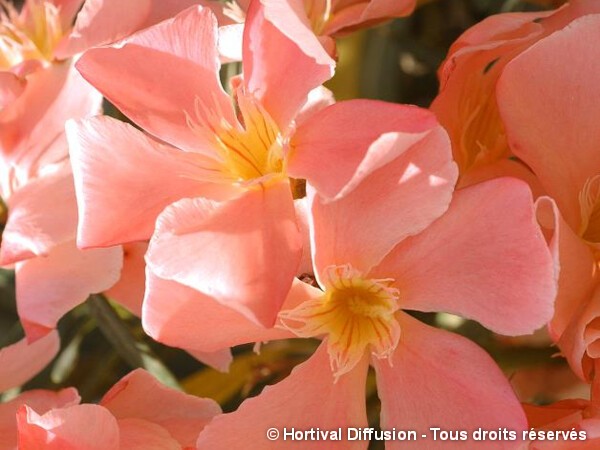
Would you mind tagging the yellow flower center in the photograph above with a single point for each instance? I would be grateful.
(32, 34)
(355, 313)
(589, 200)
(248, 150)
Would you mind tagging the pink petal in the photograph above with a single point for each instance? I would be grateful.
(556, 135)
(580, 339)
(42, 215)
(242, 252)
(179, 316)
(219, 360)
(81, 427)
(485, 259)
(39, 400)
(137, 434)
(283, 60)
(21, 361)
(129, 290)
(440, 379)
(366, 13)
(575, 264)
(120, 202)
(158, 100)
(392, 202)
(336, 162)
(104, 21)
(37, 118)
(308, 398)
(67, 276)
(11, 87)
(139, 395)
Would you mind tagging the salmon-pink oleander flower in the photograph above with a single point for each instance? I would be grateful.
(137, 413)
(36, 183)
(18, 363)
(228, 227)
(557, 137)
(424, 375)
(467, 103)
(515, 96)
(383, 242)
(312, 21)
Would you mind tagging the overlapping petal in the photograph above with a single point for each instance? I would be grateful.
(335, 162)
(556, 135)
(308, 398)
(177, 315)
(120, 202)
(506, 278)
(21, 361)
(43, 214)
(269, 52)
(158, 100)
(392, 202)
(80, 427)
(67, 276)
(243, 253)
(439, 379)
(140, 396)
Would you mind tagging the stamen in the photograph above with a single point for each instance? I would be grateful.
(249, 149)
(355, 313)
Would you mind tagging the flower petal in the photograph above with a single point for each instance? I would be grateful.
(556, 135)
(119, 203)
(137, 434)
(393, 202)
(105, 21)
(67, 276)
(21, 361)
(158, 100)
(80, 427)
(485, 259)
(307, 398)
(283, 60)
(39, 400)
(335, 162)
(243, 252)
(139, 395)
(179, 316)
(440, 379)
(42, 215)
(129, 290)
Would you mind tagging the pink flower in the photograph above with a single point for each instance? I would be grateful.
(385, 242)
(556, 136)
(102, 22)
(467, 104)
(18, 363)
(578, 419)
(310, 22)
(137, 413)
(218, 204)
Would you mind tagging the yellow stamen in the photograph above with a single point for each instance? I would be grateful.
(249, 150)
(32, 34)
(355, 314)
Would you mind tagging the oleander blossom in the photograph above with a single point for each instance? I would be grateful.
(558, 140)
(36, 183)
(136, 413)
(376, 249)
(214, 193)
